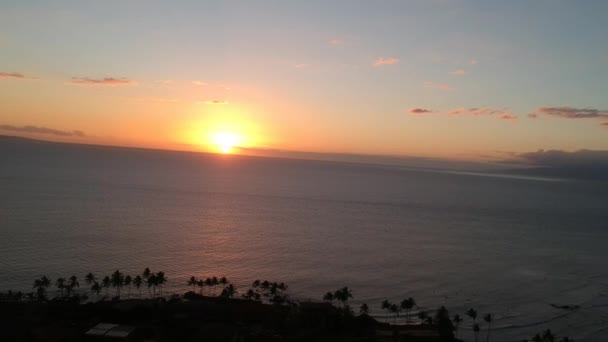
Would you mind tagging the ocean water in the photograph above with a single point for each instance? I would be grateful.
(506, 246)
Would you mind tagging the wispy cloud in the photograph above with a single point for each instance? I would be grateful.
(199, 83)
(214, 102)
(15, 75)
(108, 81)
(573, 113)
(508, 117)
(386, 61)
(301, 65)
(479, 111)
(440, 86)
(532, 116)
(473, 61)
(164, 82)
(42, 130)
(419, 111)
(458, 72)
(560, 158)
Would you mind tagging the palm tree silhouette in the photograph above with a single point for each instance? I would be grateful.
(117, 281)
(343, 295)
(457, 320)
(72, 283)
(192, 282)
(488, 319)
(329, 296)
(40, 285)
(395, 309)
(146, 275)
(90, 279)
(152, 281)
(60, 283)
(408, 304)
(128, 282)
(364, 309)
(106, 283)
(161, 280)
(229, 291)
(386, 305)
(137, 281)
(473, 315)
(476, 330)
(95, 289)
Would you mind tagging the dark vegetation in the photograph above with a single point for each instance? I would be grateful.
(214, 310)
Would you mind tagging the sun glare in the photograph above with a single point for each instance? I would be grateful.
(225, 142)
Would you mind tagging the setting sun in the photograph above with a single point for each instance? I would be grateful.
(225, 141)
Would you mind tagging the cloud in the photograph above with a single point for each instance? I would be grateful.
(604, 124)
(15, 75)
(560, 158)
(419, 111)
(573, 113)
(440, 86)
(473, 61)
(301, 65)
(478, 111)
(508, 117)
(108, 81)
(532, 116)
(458, 72)
(42, 130)
(215, 102)
(386, 61)
(335, 42)
(199, 83)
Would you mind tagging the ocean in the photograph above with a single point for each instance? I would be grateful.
(510, 246)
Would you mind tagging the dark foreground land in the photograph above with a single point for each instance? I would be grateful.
(196, 318)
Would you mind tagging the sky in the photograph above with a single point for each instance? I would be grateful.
(465, 80)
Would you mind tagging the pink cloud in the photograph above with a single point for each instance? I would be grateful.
(335, 42)
(386, 61)
(215, 102)
(458, 72)
(441, 86)
(108, 81)
(15, 75)
(301, 65)
(419, 111)
(508, 117)
(199, 83)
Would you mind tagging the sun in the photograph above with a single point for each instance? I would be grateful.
(225, 141)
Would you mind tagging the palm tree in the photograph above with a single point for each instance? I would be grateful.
(200, 283)
(476, 330)
(146, 275)
(364, 309)
(117, 280)
(422, 315)
(128, 282)
(192, 282)
(223, 281)
(106, 283)
(90, 279)
(95, 288)
(137, 281)
(395, 309)
(72, 283)
(408, 304)
(343, 295)
(152, 281)
(488, 319)
(161, 280)
(40, 285)
(214, 283)
(457, 320)
(60, 283)
(473, 314)
(229, 291)
(329, 296)
(386, 305)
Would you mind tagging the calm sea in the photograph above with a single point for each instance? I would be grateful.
(506, 246)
